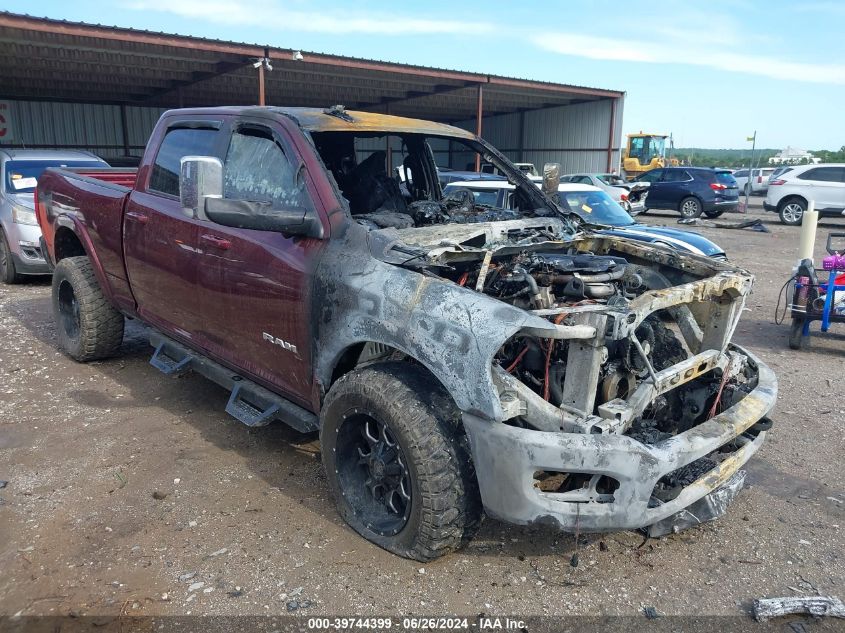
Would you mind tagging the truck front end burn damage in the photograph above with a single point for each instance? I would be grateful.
(619, 401)
(624, 473)
(643, 423)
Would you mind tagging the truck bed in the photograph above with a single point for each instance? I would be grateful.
(93, 199)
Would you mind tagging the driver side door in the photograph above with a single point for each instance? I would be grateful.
(255, 285)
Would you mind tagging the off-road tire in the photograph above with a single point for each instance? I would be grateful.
(715, 213)
(791, 211)
(445, 508)
(8, 273)
(88, 326)
(797, 340)
(690, 207)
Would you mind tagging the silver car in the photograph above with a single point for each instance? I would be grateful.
(20, 248)
(614, 185)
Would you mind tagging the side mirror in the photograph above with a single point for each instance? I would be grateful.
(261, 216)
(551, 178)
(200, 178)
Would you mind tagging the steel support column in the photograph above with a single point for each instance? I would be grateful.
(124, 128)
(611, 134)
(388, 149)
(521, 146)
(479, 113)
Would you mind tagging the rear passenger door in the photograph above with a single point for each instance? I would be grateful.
(254, 286)
(159, 239)
(825, 185)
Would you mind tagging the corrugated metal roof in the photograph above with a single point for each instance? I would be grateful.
(45, 59)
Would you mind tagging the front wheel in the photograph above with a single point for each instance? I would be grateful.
(8, 272)
(792, 212)
(690, 208)
(796, 334)
(397, 461)
(89, 327)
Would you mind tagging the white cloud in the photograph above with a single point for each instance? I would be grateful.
(266, 13)
(657, 53)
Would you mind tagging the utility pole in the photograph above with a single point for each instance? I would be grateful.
(753, 140)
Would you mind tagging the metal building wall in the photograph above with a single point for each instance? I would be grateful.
(365, 147)
(92, 127)
(576, 136)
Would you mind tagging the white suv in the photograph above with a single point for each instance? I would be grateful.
(790, 192)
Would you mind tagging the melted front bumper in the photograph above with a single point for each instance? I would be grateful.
(506, 458)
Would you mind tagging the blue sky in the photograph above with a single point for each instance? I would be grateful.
(710, 73)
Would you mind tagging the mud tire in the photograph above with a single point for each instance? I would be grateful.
(445, 509)
(88, 325)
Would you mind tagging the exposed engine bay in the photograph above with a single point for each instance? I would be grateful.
(567, 282)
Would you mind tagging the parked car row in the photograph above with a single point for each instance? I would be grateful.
(692, 191)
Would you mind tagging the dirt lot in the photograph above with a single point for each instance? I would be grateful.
(131, 492)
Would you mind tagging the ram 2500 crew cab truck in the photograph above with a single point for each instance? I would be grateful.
(456, 358)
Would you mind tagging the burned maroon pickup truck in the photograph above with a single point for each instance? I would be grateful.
(455, 357)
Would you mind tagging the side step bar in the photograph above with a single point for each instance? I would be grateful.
(249, 403)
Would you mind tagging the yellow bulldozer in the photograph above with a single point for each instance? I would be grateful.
(645, 152)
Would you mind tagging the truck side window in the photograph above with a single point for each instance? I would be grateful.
(258, 169)
(178, 143)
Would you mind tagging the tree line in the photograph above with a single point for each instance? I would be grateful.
(737, 158)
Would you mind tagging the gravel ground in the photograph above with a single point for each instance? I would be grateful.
(134, 493)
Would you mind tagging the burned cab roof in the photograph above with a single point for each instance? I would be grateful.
(330, 120)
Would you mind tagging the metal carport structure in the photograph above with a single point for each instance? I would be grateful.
(69, 84)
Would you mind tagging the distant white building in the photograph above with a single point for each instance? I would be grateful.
(791, 156)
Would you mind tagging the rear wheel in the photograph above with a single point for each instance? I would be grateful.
(8, 272)
(747, 189)
(715, 213)
(791, 211)
(397, 461)
(89, 327)
(797, 340)
(690, 207)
